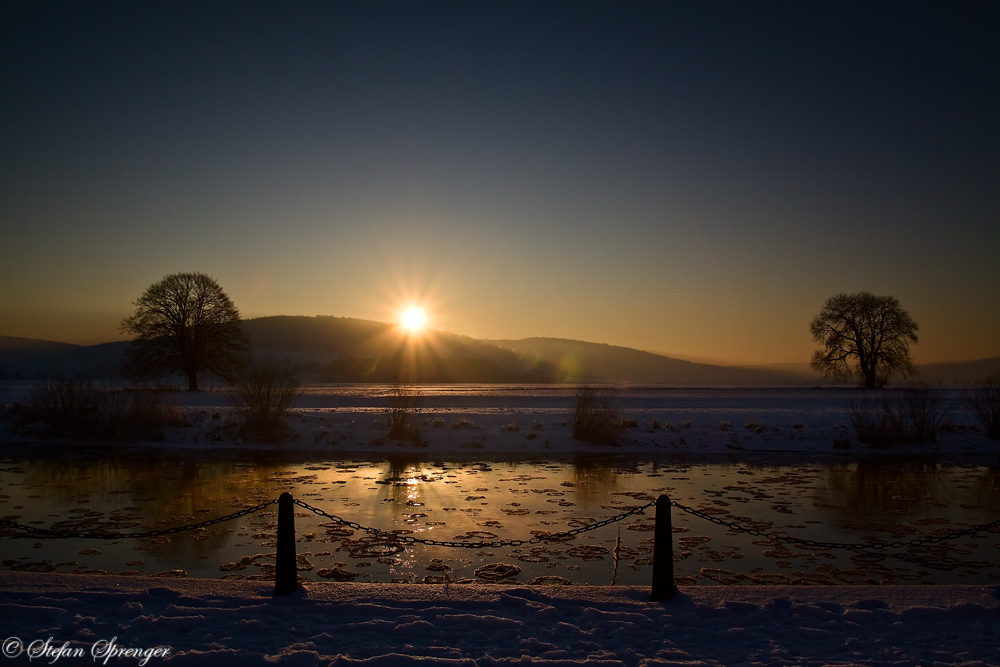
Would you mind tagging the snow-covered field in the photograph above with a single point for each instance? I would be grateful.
(223, 623)
(466, 419)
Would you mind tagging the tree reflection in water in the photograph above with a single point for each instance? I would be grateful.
(872, 487)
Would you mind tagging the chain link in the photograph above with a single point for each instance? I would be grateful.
(835, 545)
(113, 535)
(495, 544)
(498, 544)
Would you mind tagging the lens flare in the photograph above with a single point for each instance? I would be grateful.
(414, 319)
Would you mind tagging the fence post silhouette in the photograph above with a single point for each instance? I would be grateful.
(663, 553)
(286, 578)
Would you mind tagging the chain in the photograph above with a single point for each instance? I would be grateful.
(152, 533)
(495, 544)
(836, 545)
(498, 544)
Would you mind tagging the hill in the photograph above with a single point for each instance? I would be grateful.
(377, 351)
(18, 355)
(958, 372)
(580, 360)
(951, 372)
(344, 349)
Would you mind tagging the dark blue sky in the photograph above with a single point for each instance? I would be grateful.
(691, 179)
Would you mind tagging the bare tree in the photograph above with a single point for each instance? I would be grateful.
(186, 324)
(863, 336)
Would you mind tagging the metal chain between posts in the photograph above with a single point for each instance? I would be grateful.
(112, 535)
(495, 544)
(835, 545)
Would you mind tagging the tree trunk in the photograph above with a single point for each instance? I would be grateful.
(193, 381)
(871, 379)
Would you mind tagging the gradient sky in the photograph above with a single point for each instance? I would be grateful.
(693, 179)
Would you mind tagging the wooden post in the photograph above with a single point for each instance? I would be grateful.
(286, 578)
(663, 553)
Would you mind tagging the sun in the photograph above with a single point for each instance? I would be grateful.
(414, 319)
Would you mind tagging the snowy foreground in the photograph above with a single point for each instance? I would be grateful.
(219, 623)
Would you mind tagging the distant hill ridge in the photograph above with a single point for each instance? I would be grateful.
(575, 359)
(344, 349)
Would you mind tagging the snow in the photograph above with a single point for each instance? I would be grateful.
(478, 625)
(485, 419)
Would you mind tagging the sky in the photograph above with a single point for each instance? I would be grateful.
(693, 179)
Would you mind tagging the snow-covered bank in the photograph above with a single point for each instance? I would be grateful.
(238, 623)
(489, 419)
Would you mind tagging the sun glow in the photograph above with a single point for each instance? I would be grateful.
(414, 319)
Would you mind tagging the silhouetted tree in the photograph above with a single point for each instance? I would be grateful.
(186, 324)
(863, 335)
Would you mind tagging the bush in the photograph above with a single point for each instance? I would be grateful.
(983, 402)
(912, 414)
(404, 407)
(78, 409)
(925, 410)
(263, 398)
(596, 418)
(870, 423)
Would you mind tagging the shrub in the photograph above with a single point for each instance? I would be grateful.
(925, 410)
(511, 427)
(596, 418)
(462, 422)
(870, 423)
(130, 413)
(78, 409)
(404, 408)
(263, 398)
(983, 402)
(911, 414)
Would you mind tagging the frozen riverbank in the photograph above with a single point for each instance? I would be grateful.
(497, 419)
(238, 623)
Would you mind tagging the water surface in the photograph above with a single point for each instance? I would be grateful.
(848, 500)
